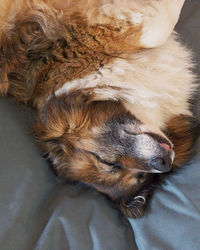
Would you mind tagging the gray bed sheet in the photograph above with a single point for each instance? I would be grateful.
(39, 212)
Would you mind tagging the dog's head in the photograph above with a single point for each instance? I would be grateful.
(101, 144)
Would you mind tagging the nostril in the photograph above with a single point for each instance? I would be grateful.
(157, 162)
(160, 164)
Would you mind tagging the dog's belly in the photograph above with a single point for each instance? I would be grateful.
(154, 84)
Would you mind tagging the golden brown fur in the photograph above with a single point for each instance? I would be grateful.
(41, 41)
(45, 44)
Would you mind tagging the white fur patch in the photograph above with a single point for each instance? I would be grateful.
(137, 18)
(145, 147)
(160, 19)
(154, 84)
(134, 17)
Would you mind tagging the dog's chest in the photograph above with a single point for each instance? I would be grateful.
(155, 84)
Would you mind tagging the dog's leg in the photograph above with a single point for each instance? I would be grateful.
(160, 18)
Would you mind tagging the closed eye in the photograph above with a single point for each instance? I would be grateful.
(129, 133)
(116, 165)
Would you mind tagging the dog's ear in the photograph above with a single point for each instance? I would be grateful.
(183, 131)
(65, 114)
(59, 125)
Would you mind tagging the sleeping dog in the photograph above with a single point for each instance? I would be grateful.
(111, 84)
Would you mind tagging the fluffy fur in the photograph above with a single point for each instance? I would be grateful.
(111, 88)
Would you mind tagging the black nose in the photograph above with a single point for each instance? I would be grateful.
(161, 164)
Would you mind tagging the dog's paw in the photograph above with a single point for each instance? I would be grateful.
(135, 206)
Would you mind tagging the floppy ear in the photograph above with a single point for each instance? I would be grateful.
(183, 131)
(64, 114)
(59, 124)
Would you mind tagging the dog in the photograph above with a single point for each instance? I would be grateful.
(112, 87)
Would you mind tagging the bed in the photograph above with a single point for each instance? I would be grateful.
(39, 211)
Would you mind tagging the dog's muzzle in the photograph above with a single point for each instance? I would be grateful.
(155, 152)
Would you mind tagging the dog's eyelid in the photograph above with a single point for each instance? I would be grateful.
(130, 132)
(116, 165)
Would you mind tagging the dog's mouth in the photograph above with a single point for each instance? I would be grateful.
(162, 140)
